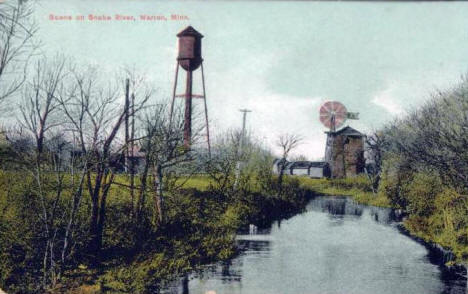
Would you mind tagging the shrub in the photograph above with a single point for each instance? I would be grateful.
(394, 180)
(421, 193)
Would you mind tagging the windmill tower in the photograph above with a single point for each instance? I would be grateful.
(190, 59)
(344, 150)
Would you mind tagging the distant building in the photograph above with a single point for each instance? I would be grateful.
(137, 158)
(344, 152)
(313, 169)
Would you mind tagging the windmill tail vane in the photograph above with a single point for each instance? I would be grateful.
(352, 115)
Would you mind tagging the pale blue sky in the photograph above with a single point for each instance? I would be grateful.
(280, 59)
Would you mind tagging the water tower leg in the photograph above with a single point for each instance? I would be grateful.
(174, 93)
(206, 113)
(188, 111)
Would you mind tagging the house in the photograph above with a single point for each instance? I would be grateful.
(313, 169)
(136, 158)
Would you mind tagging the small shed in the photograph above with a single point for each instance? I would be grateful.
(313, 169)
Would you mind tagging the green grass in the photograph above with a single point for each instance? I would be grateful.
(198, 182)
(357, 188)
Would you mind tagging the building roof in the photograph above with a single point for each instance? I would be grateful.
(347, 131)
(299, 164)
(190, 31)
(307, 164)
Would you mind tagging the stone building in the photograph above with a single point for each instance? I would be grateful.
(345, 152)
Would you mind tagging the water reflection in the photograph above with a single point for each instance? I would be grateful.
(336, 246)
(253, 246)
(336, 206)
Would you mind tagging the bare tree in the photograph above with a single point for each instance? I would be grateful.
(16, 46)
(45, 161)
(40, 102)
(287, 143)
(224, 166)
(96, 114)
(165, 152)
(226, 178)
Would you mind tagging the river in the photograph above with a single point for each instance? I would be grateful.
(335, 247)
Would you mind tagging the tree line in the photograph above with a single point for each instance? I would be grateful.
(421, 165)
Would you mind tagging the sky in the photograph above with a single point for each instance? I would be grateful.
(280, 59)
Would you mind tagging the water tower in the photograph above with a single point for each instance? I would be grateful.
(190, 59)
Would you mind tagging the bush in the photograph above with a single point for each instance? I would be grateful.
(395, 178)
(421, 192)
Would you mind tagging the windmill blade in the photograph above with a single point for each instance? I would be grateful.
(340, 109)
(333, 114)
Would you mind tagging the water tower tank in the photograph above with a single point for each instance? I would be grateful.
(189, 49)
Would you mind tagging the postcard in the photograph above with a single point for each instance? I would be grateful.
(233, 147)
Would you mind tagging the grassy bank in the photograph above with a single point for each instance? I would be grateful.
(436, 212)
(357, 188)
(201, 230)
(138, 257)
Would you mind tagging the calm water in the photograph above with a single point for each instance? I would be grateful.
(336, 246)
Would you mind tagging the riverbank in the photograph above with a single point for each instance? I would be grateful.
(439, 240)
(153, 269)
(200, 229)
(319, 250)
(358, 188)
(438, 254)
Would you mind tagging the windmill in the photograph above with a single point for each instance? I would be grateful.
(344, 147)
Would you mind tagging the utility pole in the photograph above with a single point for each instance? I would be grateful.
(244, 120)
(241, 144)
(127, 107)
